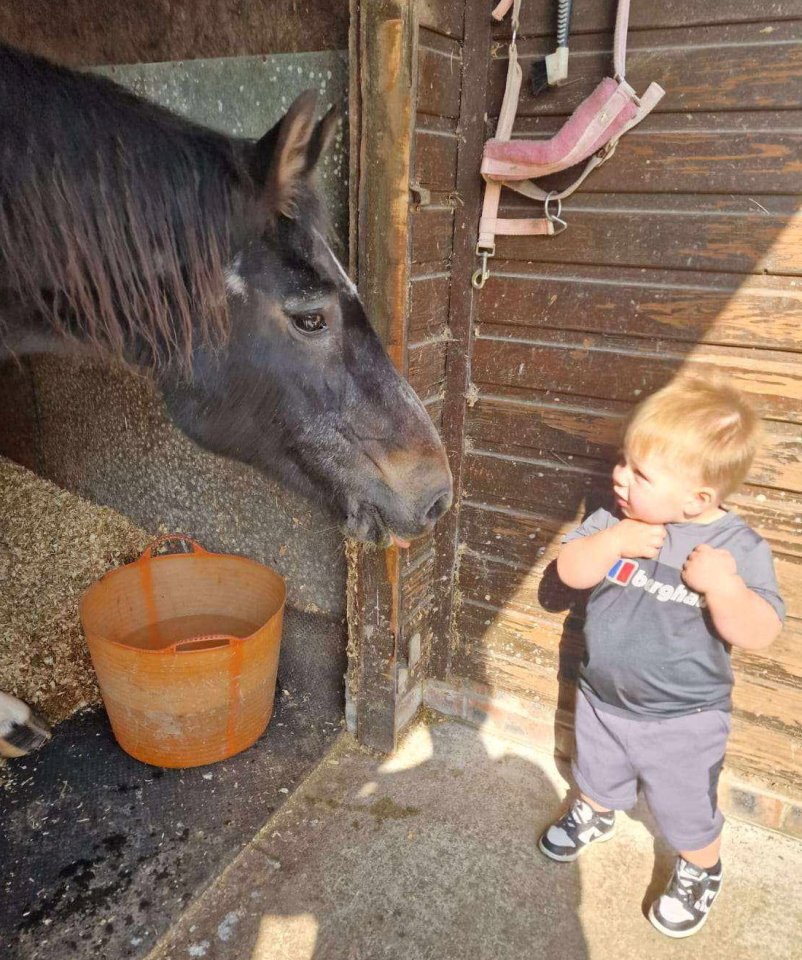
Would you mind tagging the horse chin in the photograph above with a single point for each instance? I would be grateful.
(366, 523)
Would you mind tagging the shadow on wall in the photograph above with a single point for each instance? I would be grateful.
(561, 361)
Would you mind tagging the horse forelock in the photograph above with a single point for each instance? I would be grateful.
(116, 217)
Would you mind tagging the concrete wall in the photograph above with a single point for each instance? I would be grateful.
(103, 432)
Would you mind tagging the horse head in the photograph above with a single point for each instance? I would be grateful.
(303, 389)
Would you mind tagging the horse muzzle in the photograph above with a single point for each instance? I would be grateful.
(407, 499)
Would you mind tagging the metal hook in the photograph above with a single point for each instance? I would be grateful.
(481, 275)
(554, 217)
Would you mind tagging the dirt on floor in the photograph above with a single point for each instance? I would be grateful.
(100, 853)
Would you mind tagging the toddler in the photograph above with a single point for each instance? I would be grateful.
(677, 581)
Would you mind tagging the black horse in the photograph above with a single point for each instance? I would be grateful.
(128, 232)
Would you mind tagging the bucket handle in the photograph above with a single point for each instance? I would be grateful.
(209, 641)
(150, 550)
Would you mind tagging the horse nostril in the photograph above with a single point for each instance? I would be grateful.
(439, 505)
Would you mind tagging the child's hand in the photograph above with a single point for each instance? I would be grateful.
(638, 539)
(707, 568)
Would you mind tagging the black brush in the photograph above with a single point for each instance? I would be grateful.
(539, 79)
(552, 71)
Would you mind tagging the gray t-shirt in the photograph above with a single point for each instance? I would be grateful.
(652, 649)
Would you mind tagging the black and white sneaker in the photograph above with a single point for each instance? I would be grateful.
(567, 837)
(683, 908)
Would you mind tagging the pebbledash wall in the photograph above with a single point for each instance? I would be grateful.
(103, 432)
(683, 252)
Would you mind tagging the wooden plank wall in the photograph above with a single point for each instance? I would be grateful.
(438, 81)
(685, 251)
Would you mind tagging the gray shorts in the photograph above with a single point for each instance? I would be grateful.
(676, 761)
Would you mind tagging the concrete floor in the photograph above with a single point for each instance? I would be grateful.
(431, 854)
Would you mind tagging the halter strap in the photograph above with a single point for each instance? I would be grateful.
(490, 224)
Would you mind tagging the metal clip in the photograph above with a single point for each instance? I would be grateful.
(554, 218)
(480, 276)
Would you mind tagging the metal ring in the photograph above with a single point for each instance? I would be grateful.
(555, 218)
(515, 24)
(549, 197)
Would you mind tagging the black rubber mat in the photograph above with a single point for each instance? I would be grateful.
(100, 854)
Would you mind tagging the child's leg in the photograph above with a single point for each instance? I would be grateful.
(606, 780)
(601, 768)
(679, 761)
(706, 857)
(596, 806)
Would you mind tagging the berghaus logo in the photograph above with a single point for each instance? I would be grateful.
(625, 572)
(622, 571)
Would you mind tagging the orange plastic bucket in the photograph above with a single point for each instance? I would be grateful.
(185, 647)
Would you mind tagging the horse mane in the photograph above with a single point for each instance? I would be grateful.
(115, 215)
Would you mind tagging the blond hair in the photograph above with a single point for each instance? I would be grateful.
(703, 426)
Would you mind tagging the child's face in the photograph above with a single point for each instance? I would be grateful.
(648, 489)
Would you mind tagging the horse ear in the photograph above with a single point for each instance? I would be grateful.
(279, 159)
(322, 137)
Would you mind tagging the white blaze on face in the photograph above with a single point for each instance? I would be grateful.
(347, 281)
(408, 395)
(234, 282)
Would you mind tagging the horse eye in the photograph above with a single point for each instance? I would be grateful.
(309, 322)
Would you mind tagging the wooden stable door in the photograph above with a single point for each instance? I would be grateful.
(683, 252)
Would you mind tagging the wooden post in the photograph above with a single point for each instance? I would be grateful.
(382, 112)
